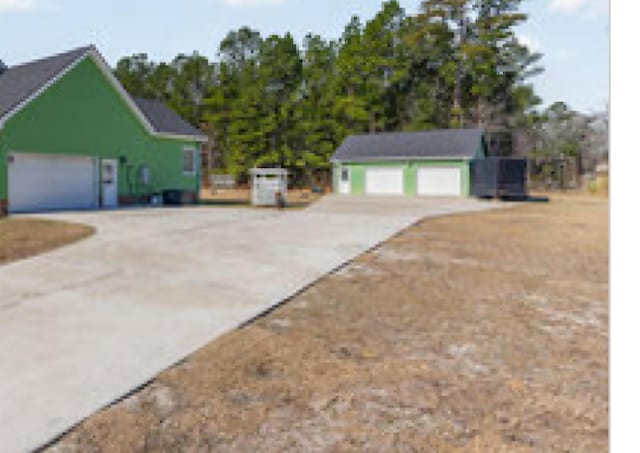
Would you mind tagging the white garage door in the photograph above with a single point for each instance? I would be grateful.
(40, 182)
(384, 181)
(439, 181)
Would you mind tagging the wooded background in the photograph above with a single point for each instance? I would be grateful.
(270, 101)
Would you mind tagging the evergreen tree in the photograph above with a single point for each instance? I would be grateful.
(268, 102)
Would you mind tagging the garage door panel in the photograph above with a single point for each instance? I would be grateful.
(43, 182)
(384, 181)
(439, 181)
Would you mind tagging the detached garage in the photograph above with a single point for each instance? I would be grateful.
(432, 163)
(71, 137)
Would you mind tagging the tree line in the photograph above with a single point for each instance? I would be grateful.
(269, 101)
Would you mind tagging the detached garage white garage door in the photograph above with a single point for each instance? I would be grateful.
(439, 181)
(384, 181)
(42, 182)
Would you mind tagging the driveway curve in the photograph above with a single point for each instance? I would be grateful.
(84, 325)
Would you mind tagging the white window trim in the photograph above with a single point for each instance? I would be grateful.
(194, 170)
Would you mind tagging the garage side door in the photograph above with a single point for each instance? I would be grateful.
(384, 181)
(439, 181)
(40, 182)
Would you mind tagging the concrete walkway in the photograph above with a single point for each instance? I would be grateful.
(86, 324)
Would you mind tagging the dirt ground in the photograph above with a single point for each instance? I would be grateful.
(22, 238)
(472, 333)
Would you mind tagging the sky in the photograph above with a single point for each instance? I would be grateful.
(573, 35)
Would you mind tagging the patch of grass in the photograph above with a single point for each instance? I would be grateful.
(22, 238)
(479, 332)
(225, 203)
(296, 199)
(245, 204)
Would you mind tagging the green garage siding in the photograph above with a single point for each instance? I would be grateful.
(411, 151)
(410, 169)
(83, 114)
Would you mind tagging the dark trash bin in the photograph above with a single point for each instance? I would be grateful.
(178, 197)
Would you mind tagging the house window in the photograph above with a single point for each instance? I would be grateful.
(107, 173)
(344, 175)
(189, 161)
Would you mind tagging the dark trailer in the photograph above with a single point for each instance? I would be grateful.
(499, 177)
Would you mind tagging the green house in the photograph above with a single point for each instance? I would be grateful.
(71, 137)
(431, 163)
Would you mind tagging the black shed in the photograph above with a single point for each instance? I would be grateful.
(499, 177)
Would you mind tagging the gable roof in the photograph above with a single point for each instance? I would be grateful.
(21, 84)
(436, 144)
(163, 119)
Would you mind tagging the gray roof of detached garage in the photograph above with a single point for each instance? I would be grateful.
(435, 144)
(20, 84)
(163, 119)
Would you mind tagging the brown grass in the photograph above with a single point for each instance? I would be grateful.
(471, 333)
(295, 197)
(22, 238)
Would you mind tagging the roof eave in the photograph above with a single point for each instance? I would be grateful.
(97, 58)
(93, 53)
(25, 102)
(191, 138)
(397, 158)
(126, 97)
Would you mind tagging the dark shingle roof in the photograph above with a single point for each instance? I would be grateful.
(446, 143)
(165, 120)
(19, 82)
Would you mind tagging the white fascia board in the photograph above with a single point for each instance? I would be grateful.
(108, 73)
(358, 160)
(189, 138)
(102, 64)
(11, 113)
(104, 68)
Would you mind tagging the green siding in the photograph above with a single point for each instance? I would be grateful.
(410, 170)
(410, 178)
(83, 114)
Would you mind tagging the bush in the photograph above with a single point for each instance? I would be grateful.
(598, 186)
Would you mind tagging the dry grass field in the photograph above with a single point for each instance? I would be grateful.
(21, 238)
(485, 332)
(242, 196)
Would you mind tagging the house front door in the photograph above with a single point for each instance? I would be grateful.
(109, 183)
(345, 181)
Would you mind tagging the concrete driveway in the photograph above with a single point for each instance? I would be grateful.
(84, 325)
